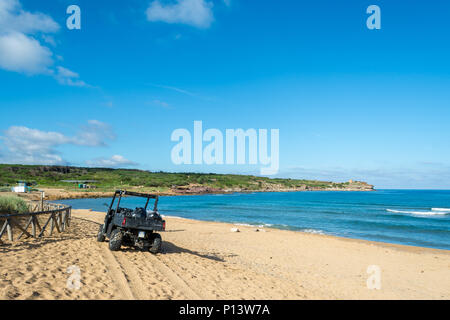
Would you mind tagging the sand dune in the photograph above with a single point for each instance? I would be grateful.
(203, 260)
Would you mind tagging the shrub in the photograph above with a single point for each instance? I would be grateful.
(9, 205)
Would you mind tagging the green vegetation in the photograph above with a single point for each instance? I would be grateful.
(10, 205)
(111, 179)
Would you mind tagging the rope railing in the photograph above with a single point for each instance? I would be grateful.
(59, 219)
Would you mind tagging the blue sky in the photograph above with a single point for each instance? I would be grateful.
(350, 103)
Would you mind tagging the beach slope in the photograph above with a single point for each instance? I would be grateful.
(204, 260)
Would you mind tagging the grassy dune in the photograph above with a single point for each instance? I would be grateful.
(10, 205)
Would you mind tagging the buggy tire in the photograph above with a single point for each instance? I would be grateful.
(115, 241)
(155, 243)
(100, 235)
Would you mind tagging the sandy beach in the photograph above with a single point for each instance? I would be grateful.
(205, 260)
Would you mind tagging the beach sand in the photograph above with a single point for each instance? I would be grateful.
(205, 260)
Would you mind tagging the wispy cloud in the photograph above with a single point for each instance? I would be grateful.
(160, 103)
(32, 146)
(116, 161)
(94, 134)
(182, 91)
(69, 78)
(108, 104)
(14, 19)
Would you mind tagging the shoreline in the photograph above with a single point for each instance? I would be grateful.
(274, 226)
(321, 234)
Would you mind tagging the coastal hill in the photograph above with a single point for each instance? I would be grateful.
(97, 181)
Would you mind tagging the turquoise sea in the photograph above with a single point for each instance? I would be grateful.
(409, 217)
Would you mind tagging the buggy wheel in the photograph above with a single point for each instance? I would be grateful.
(155, 243)
(115, 241)
(100, 235)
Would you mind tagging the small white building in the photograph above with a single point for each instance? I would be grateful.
(22, 187)
(19, 189)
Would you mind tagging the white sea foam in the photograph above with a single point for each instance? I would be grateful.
(421, 213)
(251, 225)
(175, 217)
(247, 225)
(313, 231)
(264, 225)
(441, 209)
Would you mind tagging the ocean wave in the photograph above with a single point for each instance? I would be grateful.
(248, 225)
(441, 209)
(313, 231)
(421, 213)
(254, 225)
(175, 217)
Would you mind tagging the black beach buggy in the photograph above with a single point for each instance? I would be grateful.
(129, 227)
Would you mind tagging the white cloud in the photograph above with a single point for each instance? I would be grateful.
(94, 134)
(66, 73)
(14, 19)
(69, 78)
(49, 39)
(116, 161)
(21, 53)
(20, 49)
(32, 146)
(197, 13)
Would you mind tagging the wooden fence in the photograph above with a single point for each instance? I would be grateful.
(58, 218)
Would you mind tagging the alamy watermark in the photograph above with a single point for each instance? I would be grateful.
(74, 280)
(374, 280)
(231, 150)
(374, 20)
(74, 20)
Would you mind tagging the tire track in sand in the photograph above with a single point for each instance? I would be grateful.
(140, 291)
(174, 278)
(118, 274)
(125, 274)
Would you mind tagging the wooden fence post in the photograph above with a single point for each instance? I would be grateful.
(68, 216)
(9, 230)
(5, 224)
(60, 221)
(42, 200)
(63, 220)
(33, 225)
(52, 224)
